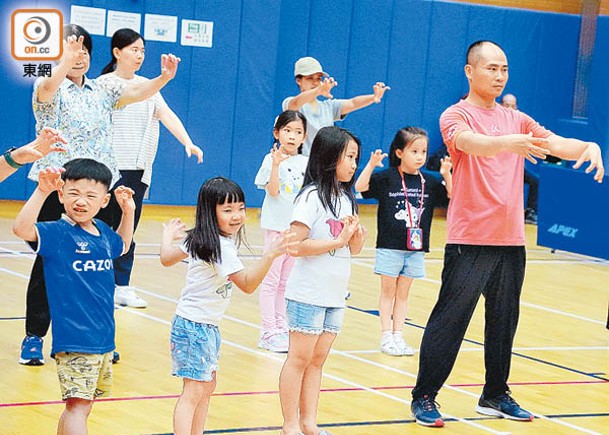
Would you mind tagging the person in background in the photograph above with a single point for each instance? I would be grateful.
(135, 139)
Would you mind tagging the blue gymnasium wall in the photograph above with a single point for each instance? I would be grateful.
(229, 95)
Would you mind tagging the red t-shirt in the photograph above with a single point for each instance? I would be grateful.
(487, 202)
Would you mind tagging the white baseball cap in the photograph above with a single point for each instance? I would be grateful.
(305, 66)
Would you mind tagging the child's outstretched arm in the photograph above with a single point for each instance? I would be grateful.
(363, 181)
(362, 101)
(124, 197)
(324, 89)
(73, 53)
(304, 247)
(250, 278)
(446, 167)
(172, 231)
(173, 123)
(144, 90)
(49, 179)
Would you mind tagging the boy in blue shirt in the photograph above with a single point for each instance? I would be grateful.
(78, 251)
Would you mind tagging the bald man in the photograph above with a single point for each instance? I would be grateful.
(485, 250)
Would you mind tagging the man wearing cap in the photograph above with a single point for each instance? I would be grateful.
(313, 82)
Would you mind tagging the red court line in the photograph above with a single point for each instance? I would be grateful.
(256, 393)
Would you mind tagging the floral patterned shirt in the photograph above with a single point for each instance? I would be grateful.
(83, 115)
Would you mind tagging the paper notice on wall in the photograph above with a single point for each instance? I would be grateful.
(160, 28)
(93, 20)
(122, 20)
(197, 33)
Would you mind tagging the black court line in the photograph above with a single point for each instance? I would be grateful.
(389, 422)
(12, 318)
(599, 376)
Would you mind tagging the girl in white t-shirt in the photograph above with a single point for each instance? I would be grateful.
(326, 226)
(213, 270)
(281, 175)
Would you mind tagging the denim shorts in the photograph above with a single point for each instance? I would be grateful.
(311, 319)
(194, 349)
(394, 262)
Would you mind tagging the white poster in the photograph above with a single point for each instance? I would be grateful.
(160, 28)
(121, 20)
(197, 33)
(93, 20)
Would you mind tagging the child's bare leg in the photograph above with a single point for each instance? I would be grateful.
(311, 384)
(400, 308)
(386, 301)
(73, 420)
(190, 412)
(302, 348)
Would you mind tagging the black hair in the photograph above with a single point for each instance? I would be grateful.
(203, 241)
(121, 39)
(328, 149)
(78, 31)
(87, 169)
(288, 116)
(473, 51)
(402, 139)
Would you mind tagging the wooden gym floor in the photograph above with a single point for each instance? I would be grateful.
(560, 365)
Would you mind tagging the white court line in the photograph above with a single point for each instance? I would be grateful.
(519, 349)
(347, 355)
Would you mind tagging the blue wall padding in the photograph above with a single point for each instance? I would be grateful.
(228, 96)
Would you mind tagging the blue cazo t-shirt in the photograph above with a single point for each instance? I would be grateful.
(79, 278)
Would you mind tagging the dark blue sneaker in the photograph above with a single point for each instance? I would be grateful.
(425, 412)
(116, 357)
(503, 406)
(31, 351)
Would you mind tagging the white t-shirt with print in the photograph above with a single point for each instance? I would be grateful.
(276, 211)
(320, 279)
(208, 289)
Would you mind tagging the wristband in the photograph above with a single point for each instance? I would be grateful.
(9, 159)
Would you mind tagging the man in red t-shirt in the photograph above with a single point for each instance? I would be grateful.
(485, 250)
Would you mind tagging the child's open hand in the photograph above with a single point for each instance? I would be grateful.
(376, 158)
(277, 155)
(49, 179)
(379, 90)
(446, 165)
(124, 197)
(169, 66)
(283, 243)
(175, 229)
(326, 85)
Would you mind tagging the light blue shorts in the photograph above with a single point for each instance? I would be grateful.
(194, 349)
(311, 319)
(394, 262)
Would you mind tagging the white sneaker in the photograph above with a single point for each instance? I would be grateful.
(404, 348)
(390, 347)
(275, 342)
(126, 296)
